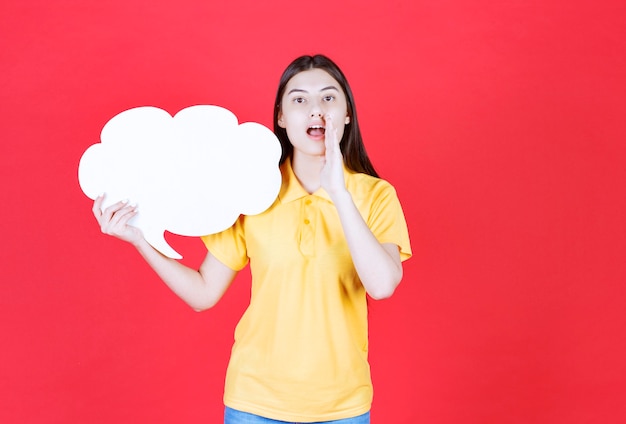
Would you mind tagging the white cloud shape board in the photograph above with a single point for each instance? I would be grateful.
(192, 174)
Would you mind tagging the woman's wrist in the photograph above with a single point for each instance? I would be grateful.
(340, 197)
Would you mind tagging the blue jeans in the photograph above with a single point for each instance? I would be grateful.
(233, 416)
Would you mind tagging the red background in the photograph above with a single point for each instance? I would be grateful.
(501, 124)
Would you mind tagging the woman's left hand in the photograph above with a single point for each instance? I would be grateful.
(332, 173)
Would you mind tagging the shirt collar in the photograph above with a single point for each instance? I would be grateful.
(291, 189)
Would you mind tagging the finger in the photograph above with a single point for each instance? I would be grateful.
(123, 215)
(118, 225)
(328, 120)
(331, 134)
(109, 213)
(97, 206)
(335, 131)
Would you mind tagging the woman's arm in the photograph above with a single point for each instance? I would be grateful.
(200, 289)
(378, 265)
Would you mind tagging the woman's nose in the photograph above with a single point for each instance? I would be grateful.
(316, 110)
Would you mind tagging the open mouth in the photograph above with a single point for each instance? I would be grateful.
(316, 130)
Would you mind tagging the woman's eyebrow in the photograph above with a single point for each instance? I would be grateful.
(300, 90)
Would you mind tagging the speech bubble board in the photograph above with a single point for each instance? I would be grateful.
(192, 174)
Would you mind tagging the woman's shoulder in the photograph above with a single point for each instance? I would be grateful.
(364, 185)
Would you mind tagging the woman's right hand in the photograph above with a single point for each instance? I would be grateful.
(114, 220)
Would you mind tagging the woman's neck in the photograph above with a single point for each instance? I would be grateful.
(307, 170)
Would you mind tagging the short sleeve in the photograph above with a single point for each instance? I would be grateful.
(229, 246)
(386, 219)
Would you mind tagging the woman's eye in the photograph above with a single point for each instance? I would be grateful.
(329, 98)
(298, 100)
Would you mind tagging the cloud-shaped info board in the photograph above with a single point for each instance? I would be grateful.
(192, 174)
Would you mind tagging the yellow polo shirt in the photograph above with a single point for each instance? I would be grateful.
(300, 351)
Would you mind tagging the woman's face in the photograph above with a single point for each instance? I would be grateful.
(310, 96)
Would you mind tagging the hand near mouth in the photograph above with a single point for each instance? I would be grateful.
(332, 179)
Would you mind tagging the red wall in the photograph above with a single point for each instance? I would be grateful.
(501, 124)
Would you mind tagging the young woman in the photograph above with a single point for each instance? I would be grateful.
(335, 233)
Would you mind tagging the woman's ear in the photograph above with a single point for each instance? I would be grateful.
(347, 121)
(281, 121)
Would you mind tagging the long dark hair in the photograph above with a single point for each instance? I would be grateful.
(352, 147)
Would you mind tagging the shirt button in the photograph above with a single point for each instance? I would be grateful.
(308, 202)
(307, 222)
